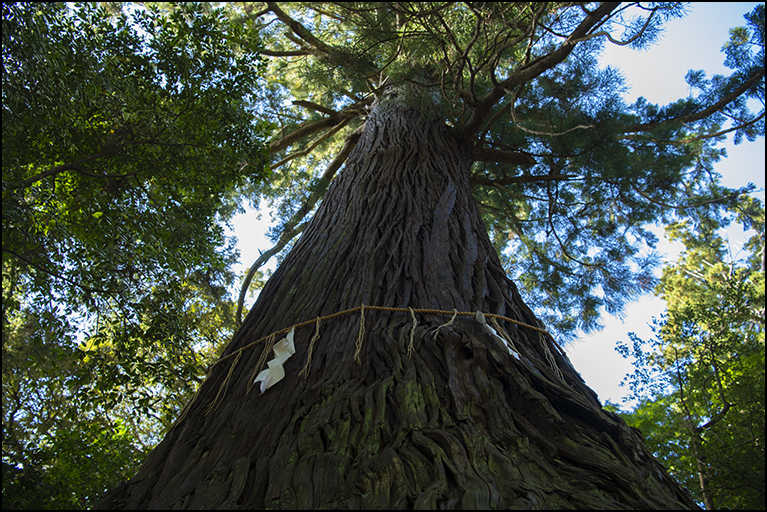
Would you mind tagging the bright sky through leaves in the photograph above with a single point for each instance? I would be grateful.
(693, 42)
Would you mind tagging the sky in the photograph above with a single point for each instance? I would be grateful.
(693, 42)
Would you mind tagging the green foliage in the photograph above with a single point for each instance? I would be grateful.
(130, 137)
(572, 226)
(577, 234)
(701, 381)
(69, 468)
(576, 224)
(128, 140)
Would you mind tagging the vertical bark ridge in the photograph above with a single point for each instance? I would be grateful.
(460, 424)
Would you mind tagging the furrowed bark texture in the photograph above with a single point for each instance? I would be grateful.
(460, 424)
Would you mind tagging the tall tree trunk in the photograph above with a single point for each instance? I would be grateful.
(461, 422)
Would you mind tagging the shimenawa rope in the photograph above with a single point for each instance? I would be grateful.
(358, 344)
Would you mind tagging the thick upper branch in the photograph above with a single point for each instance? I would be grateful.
(480, 154)
(537, 67)
(697, 116)
(304, 130)
(521, 179)
(315, 106)
(299, 29)
(313, 127)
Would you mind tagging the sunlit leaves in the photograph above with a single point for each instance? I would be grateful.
(701, 381)
(128, 138)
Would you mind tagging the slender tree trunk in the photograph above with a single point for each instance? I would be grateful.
(459, 423)
(699, 452)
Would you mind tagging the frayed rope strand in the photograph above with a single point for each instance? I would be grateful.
(224, 386)
(505, 335)
(316, 336)
(412, 334)
(262, 359)
(360, 335)
(450, 322)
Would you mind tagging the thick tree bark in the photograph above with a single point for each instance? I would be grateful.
(460, 423)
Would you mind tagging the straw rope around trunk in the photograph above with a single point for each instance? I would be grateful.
(305, 371)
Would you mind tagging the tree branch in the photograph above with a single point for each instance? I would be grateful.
(59, 276)
(312, 127)
(565, 251)
(299, 29)
(534, 132)
(480, 154)
(302, 131)
(535, 68)
(287, 235)
(690, 118)
(684, 207)
(316, 107)
(313, 145)
(68, 167)
(629, 41)
(521, 179)
(703, 137)
(292, 53)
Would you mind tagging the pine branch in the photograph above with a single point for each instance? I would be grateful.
(299, 29)
(480, 154)
(312, 127)
(521, 179)
(306, 129)
(702, 137)
(536, 67)
(315, 106)
(313, 145)
(703, 114)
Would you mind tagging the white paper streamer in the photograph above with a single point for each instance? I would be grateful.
(502, 343)
(283, 349)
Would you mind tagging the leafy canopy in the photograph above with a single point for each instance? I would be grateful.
(701, 381)
(125, 142)
(566, 174)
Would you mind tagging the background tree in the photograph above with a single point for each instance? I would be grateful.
(124, 137)
(701, 382)
(420, 102)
